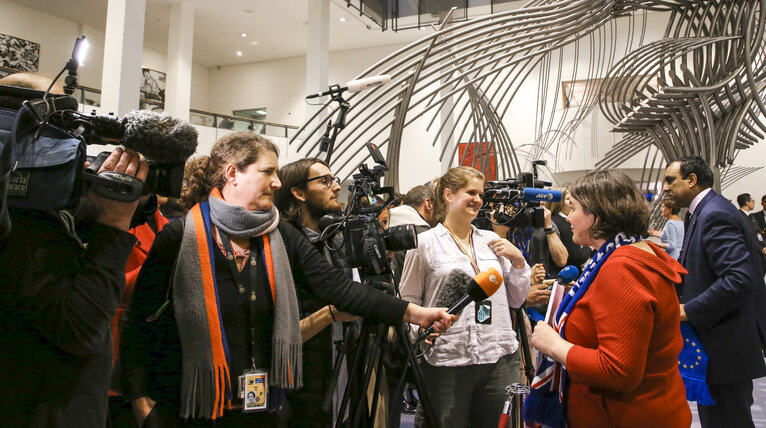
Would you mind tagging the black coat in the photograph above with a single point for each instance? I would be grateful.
(151, 352)
(57, 300)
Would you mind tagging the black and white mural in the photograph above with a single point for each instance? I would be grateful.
(19, 54)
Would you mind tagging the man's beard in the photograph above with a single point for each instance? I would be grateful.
(316, 209)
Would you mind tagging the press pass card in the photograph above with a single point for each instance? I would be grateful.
(256, 391)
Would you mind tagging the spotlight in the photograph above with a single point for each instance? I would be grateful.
(243, 34)
(239, 53)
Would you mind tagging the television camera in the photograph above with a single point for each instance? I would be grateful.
(515, 202)
(365, 238)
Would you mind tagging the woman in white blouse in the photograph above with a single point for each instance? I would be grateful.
(470, 365)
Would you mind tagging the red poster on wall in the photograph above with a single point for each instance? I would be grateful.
(480, 156)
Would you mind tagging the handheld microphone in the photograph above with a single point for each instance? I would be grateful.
(479, 288)
(355, 85)
(532, 194)
(567, 275)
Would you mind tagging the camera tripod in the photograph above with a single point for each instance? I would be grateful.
(365, 359)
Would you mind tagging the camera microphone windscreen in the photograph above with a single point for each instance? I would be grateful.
(159, 136)
(533, 194)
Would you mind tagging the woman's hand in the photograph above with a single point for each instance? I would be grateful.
(503, 247)
(424, 317)
(654, 232)
(547, 341)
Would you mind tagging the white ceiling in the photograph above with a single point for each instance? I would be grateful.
(278, 26)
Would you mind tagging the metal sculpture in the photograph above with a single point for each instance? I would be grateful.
(699, 90)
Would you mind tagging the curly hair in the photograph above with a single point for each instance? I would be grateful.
(612, 197)
(204, 173)
(454, 179)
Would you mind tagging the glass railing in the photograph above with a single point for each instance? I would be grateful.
(87, 96)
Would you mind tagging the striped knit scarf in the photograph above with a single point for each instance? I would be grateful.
(545, 403)
(205, 377)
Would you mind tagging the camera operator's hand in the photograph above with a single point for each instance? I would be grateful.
(538, 294)
(503, 247)
(114, 213)
(538, 274)
(424, 317)
(547, 215)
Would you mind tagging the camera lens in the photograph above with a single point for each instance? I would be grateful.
(401, 237)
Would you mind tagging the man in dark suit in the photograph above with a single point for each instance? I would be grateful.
(720, 293)
(760, 218)
(746, 205)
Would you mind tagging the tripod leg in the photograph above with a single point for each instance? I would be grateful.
(350, 390)
(425, 400)
(371, 366)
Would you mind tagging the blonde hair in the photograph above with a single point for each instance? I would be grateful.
(555, 207)
(454, 179)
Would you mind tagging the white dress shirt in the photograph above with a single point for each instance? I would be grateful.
(466, 342)
(697, 199)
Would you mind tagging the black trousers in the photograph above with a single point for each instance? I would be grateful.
(732, 406)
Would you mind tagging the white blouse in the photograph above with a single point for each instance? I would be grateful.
(466, 342)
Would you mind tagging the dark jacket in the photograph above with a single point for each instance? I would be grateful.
(57, 300)
(722, 290)
(151, 352)
(306, 404)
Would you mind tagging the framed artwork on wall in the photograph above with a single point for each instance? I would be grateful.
(480, 156)
(19, 54)
(153, 87)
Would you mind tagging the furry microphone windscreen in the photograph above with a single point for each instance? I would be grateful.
(454, 287)
(159, 136)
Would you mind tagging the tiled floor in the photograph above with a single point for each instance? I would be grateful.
(759, 408)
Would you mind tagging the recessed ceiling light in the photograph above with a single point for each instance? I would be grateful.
(254, 42)
(243, 34)
(239, 53)
(342, 19)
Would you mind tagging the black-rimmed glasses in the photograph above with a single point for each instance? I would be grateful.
(326, 179)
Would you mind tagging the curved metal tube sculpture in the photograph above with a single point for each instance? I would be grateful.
(699, 90)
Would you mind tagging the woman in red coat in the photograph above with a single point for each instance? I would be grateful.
(612, 353)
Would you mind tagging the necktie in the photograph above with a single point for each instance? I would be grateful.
(687, 220)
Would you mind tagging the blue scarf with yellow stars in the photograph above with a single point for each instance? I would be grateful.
(692, 363)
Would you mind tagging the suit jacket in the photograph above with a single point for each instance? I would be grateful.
(760, 220)
(722, 290)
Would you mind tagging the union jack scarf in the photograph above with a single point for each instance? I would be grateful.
(545, 403)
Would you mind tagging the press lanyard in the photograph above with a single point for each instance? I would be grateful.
(463, 250)
(239, 280)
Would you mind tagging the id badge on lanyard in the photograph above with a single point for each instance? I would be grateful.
(254, 390)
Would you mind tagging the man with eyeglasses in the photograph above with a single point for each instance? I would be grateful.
(310, 191)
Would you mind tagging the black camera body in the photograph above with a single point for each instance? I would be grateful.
(508, 201)
(365, 238)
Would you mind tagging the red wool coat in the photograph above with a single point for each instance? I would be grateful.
(624, 365)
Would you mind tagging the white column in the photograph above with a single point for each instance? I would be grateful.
(123, 48)
(317, 49)
(179, 69)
